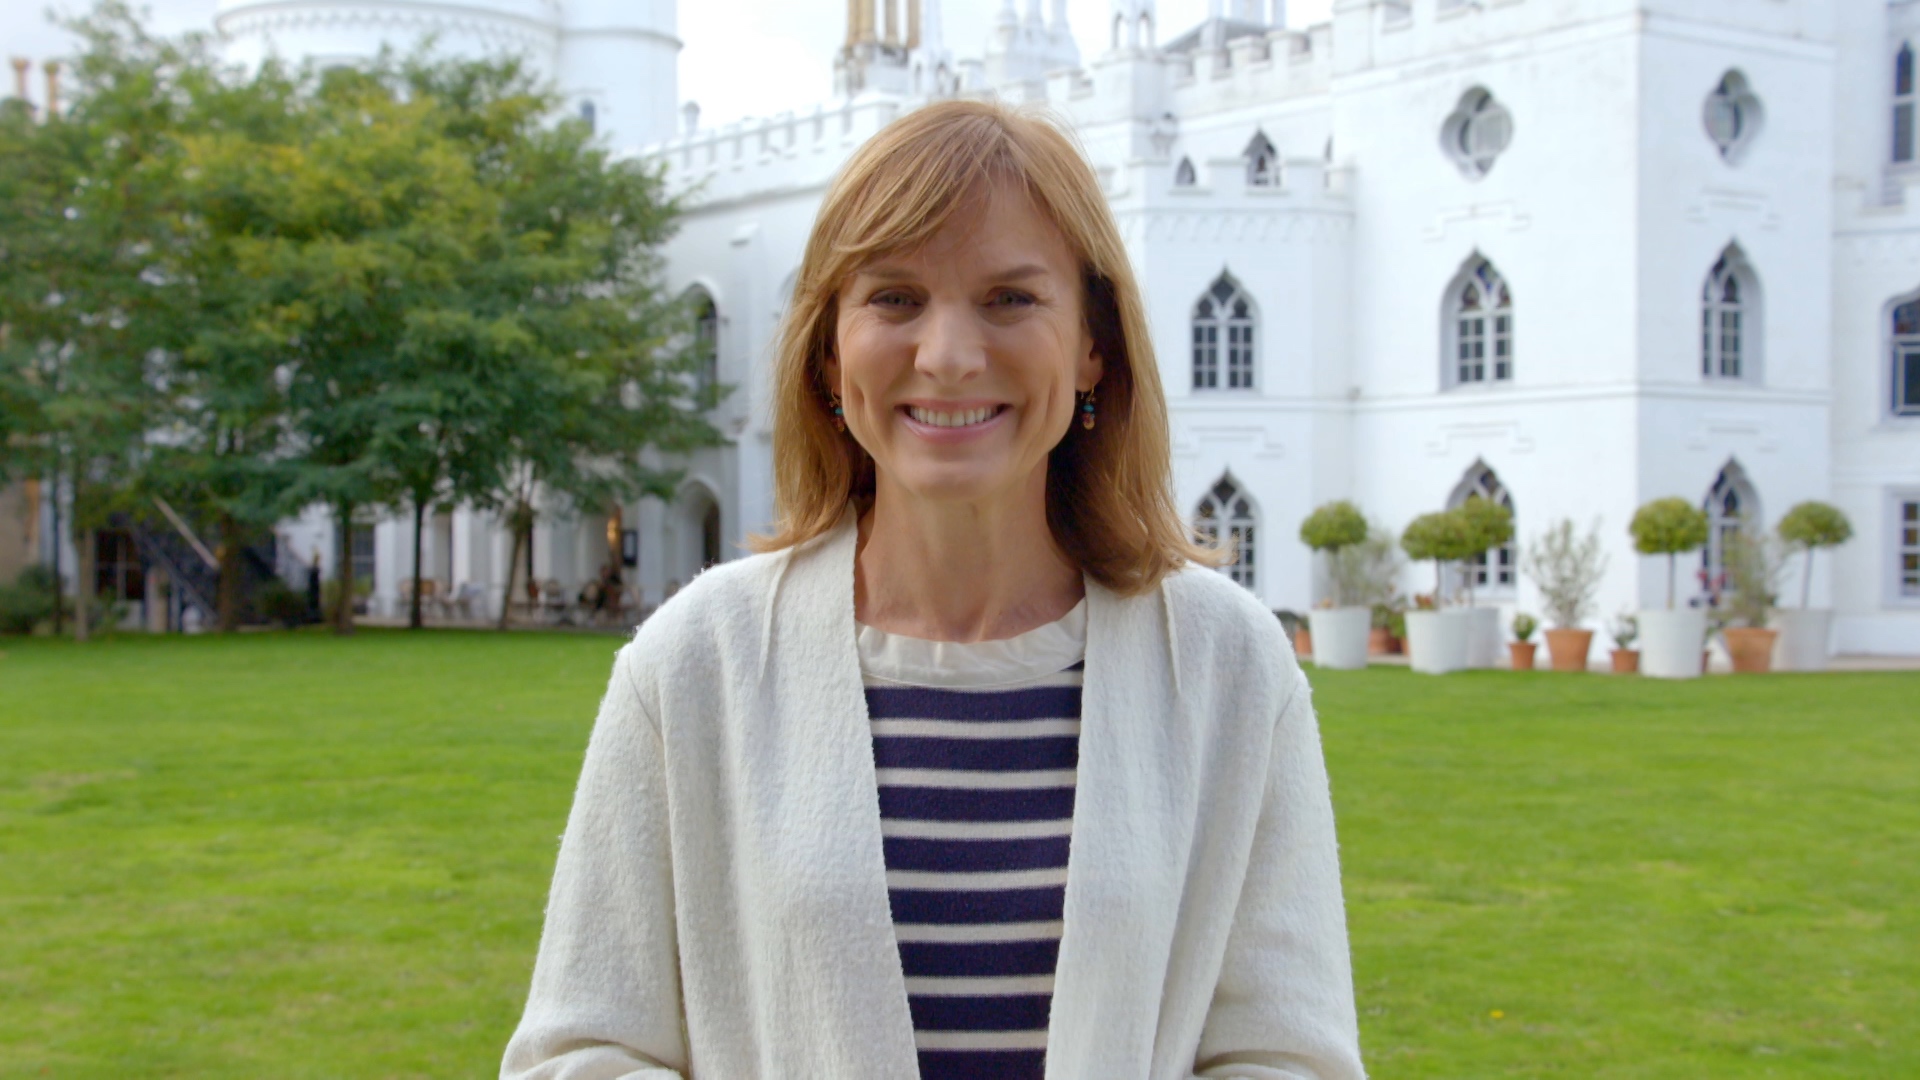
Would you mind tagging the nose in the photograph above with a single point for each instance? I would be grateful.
(950, 348)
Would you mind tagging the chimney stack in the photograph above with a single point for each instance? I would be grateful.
(21, 65)
(53, 88)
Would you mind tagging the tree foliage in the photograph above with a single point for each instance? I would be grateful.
(402, 285)
(1670, 527)
(1442, 537)
(1566, 567)
(1808, 527)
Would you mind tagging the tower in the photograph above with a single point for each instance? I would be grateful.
(619, 63)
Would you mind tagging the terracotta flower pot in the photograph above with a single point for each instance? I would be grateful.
(1521, 653)
(1626, 661)
(1303, 643)
(1569, 649)
(1750, 647)
(1379, 641)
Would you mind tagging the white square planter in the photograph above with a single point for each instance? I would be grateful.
(1671, 642)
(1802, 644)
(1340, 636)
(1437, 640)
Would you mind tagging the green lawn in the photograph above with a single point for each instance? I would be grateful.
(296, 856)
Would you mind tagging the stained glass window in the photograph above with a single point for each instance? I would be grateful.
(1489, 569)
(1483, 327)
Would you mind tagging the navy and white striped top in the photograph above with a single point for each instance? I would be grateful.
(977, 748)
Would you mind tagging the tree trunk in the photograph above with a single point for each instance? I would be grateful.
(229, 574)
(59, 586)
(1806, 581)
(1670, 564)
(343, 572)
(419, 525)
(513, 570)
(83, 578)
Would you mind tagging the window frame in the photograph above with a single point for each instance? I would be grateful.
(1898, 501)
(1720, 525)
(1491, 327)
(1748, 312)
(1902, 109)
(1467, 136)
(1901, 347)
(1495, 573)
(1263, 162)
(1224, 340)
(1220, 506)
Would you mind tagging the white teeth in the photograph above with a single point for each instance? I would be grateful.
(951, 419)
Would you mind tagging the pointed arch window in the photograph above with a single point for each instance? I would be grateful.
(1731, 503)
(1224, 325)
(1263, 162)
(1479, 327)
(706, 339)
(1730, 319)
(1226, 513)
(1903, 105)
(1492, 570)
(1906, 358)
(1183, 175)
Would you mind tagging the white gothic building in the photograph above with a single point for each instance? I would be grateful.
(1573, 255)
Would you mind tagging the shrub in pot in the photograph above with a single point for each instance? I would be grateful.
(1670, 641)
(1802, 645)
(1339, 631)
(1624, 629)
(1488, 525)
(1294, 626)
(1437, 640)
(1566, 567)
(1520, 649)
(1753, 573)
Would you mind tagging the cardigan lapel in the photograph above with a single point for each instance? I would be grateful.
(1123, 872)
(832, 809)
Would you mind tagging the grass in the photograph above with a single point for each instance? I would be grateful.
(297, 856)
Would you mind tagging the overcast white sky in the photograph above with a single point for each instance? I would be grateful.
(742, 57)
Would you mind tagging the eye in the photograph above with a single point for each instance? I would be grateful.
(1006, 298)
(892, 298)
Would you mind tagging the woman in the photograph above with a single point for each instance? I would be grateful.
(972, 772)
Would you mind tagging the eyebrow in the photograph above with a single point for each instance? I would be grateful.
(893, 274)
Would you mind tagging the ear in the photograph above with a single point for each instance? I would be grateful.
(830, 371)
(1089, 368)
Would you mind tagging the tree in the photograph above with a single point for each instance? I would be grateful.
(1668, 527)
(1488, 525)
(1331, 527)
(86, 219)
(1567, 568)
(1808, 527)
(1442, 537)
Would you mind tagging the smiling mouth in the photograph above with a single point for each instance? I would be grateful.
(965, 418)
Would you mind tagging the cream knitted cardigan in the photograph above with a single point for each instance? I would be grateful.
(719, 910)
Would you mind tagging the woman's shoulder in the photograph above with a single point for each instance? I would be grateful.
(723, 605)
(1215, 619)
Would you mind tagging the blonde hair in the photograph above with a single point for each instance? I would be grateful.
(1110, 500)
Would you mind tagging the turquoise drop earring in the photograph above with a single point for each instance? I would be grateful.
(1086, 411)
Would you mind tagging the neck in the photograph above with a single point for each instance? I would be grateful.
(961, 571)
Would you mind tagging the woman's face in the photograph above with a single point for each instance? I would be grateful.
(957, 363)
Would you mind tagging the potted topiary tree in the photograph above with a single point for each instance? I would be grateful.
(1488, 525)
(1339, 632)
(1671, 641)
(1520, 649)
(1624, 629)
(1804, 631)
(1566, 567)
(1436, 638)
(1753, 575)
